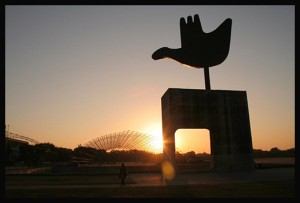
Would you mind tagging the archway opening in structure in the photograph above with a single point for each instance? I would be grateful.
(192, 146)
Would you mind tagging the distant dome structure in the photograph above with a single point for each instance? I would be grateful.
(21, 138)
(126, 140)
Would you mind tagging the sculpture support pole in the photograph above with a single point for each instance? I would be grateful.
(206, 77)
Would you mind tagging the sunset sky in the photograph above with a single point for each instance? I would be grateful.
(75, 73)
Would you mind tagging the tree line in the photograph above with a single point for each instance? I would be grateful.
(39, 154)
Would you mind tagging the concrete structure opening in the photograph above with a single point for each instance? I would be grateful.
(224, 113)
(193, 151)
(196, 140)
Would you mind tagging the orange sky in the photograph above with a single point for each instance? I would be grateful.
(75, 73)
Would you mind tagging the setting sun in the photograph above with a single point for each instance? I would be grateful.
(157, 143)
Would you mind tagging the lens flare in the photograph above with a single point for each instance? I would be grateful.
(168, 170)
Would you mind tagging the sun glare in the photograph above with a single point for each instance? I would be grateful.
(157, 143)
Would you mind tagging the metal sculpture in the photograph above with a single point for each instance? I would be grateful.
(20, 137)
(199, 49)
(126, 140)
(224, 113)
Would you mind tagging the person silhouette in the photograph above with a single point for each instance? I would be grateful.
(122, 174)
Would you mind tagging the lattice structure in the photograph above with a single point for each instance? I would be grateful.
(126, 140)
(20, 137)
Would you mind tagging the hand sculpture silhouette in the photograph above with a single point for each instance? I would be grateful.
(199, 49)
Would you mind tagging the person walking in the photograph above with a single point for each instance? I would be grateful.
(122, 174)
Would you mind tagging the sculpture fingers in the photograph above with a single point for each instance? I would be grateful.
(183, 33)
(197, 23)
(189, 20)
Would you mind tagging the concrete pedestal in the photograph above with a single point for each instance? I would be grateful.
(224, 113)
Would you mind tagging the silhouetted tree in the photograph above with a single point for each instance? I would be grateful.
(62, 154)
